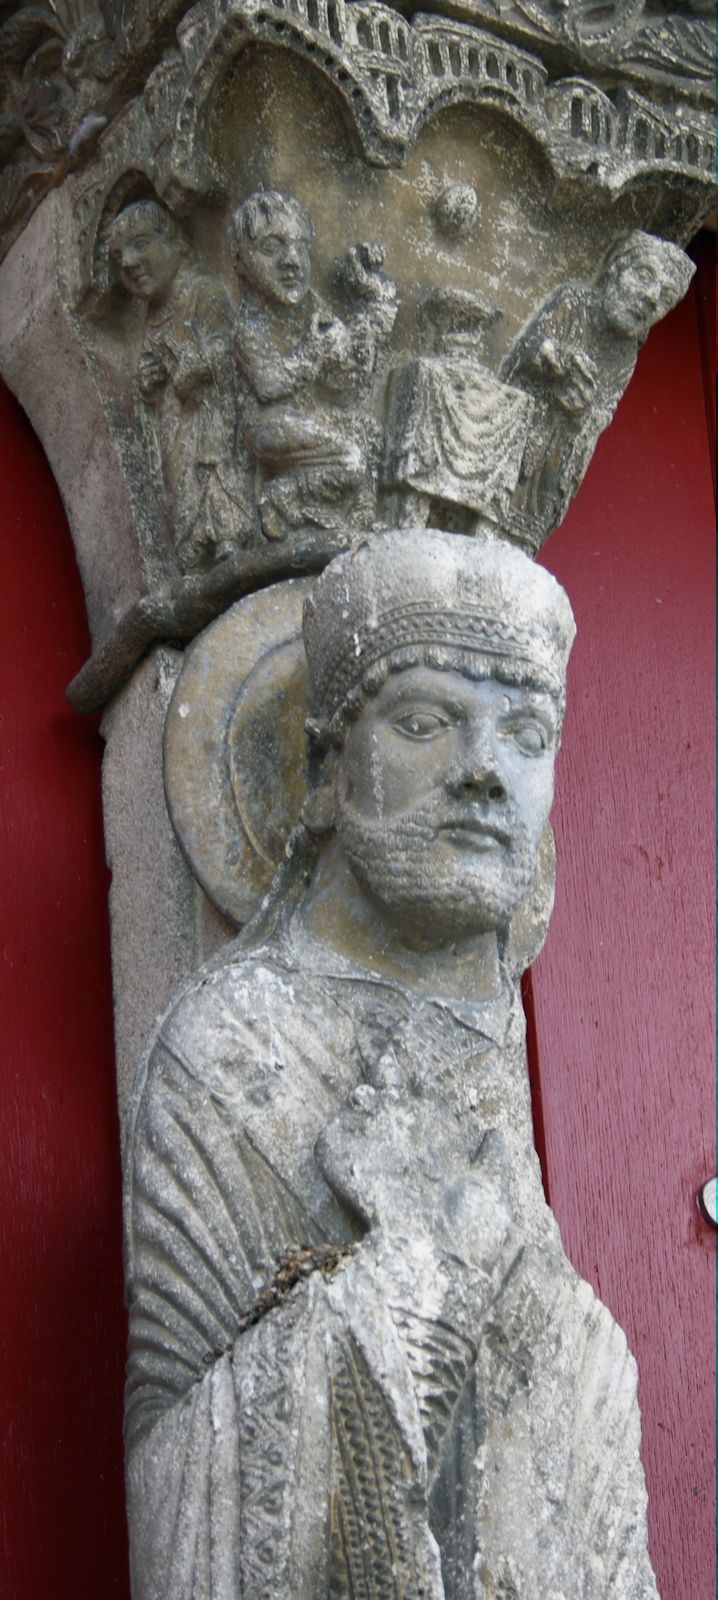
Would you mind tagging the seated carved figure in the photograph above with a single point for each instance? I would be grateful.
(186, 386)
(574, 358)
(302, 366)
(441, 1410)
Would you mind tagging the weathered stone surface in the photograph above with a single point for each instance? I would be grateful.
(185, 386)
(575, 358)
(235, 750)
(445, 187)
(67, 72)
(38, 339)
(162, 924)
(446, 1410)
(236, 761)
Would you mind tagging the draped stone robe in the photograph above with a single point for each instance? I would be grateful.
(362, 1439)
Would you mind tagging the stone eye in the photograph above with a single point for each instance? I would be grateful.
(530, 737)
(421, 724)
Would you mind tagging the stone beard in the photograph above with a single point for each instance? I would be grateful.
(405, 868)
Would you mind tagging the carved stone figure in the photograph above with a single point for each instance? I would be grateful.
(456, 434)
(424, 1400)
(186, 387)
(575, 358)
(302, 367)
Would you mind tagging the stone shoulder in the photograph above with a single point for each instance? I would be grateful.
(241, 1009)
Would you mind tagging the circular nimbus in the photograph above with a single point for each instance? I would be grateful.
(235, 757)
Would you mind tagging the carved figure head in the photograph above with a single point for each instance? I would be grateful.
(437, 668)
(271, 236)
(148, 246)
(641, 280)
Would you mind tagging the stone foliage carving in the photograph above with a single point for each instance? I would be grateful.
(411, 1417)
(67, 67)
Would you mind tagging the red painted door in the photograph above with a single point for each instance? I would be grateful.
(62, 1335)
(623, 1015)
(620, 1028)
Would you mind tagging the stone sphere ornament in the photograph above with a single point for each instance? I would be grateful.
(457, 210)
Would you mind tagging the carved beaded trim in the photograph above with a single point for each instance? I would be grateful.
(422, 624)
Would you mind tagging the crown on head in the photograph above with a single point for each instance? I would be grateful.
(444, 598)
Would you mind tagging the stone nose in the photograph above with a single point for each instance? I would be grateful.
(477, 773)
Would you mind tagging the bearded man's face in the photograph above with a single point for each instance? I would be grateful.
(444, 790)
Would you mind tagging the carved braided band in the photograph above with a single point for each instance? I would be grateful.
(421, 625)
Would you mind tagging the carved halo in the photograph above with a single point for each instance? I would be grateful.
(236, 755)
(236, 760)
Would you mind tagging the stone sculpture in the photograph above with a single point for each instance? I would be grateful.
(424, 1400)
(456, 434)
(186, 387)
(575, 358)
(360, 1365)
(302, 366)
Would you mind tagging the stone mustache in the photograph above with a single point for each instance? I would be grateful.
(424, 1402)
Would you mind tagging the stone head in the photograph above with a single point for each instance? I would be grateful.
(271, 236)
(437, 667)
(641, 280)
(148, 247)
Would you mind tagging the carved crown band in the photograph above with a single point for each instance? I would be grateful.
(422, 590)
(419, 634)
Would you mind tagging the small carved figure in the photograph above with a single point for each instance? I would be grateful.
(575, 358)
(456, 434)
(441, 1408)
(302, 367)
(186, 386)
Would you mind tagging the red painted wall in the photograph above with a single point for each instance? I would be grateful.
(62, 1334)
(622, 1034)
(623, 993)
